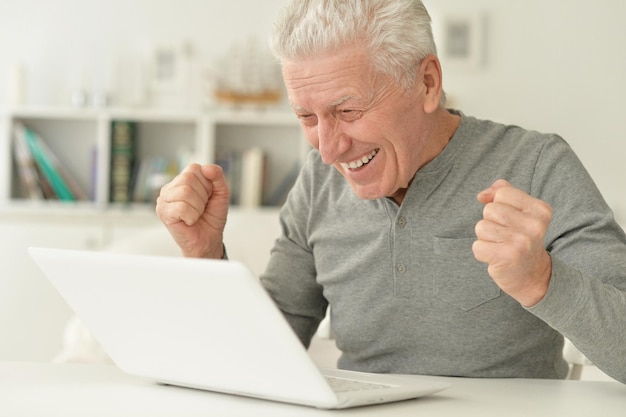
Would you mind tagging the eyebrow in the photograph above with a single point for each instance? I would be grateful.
(332, 104)
(297, 108)
(340, 101)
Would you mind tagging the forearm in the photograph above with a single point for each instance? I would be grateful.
(295, 292)
(290, 279)
(589, 312)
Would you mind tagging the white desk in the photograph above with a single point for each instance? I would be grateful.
(30, 389)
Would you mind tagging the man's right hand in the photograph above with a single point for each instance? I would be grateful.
(193, 207)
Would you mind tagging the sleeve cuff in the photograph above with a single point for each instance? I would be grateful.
(564, 294)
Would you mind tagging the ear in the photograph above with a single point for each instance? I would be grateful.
(432, 81)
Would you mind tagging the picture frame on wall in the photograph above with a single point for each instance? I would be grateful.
(463, 38)
(170, 74)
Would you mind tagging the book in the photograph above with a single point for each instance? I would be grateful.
(123, 149)
(47, 167)
(279, 195)
(246, 175)
(252, 178)
(140, 180)
(46, 187)
(26, 166)
(230, 161)
(76, 189)
(149, 176)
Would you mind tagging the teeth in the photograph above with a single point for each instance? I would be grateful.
(359, 162)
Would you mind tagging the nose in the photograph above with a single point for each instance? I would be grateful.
(331, 141)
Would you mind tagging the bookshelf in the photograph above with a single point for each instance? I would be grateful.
(82, 140)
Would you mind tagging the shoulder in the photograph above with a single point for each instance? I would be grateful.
(488, 140)
(529, 159)
(489, 132)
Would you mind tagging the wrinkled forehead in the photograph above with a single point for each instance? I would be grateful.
(337, 77)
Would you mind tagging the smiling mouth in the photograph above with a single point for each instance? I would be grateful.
(359, 162)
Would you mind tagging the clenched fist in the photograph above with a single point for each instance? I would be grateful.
(511, 241)
(194, 207)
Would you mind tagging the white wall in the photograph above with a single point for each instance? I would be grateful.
(54, 39)
(554, 66)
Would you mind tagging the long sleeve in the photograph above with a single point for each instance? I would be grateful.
(586, 300)
(290, 277)
(408, 296)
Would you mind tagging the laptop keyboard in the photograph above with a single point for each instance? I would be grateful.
(344, 385)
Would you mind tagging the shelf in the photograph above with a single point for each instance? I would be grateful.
(79, 212)
(256, 118)
(60, 113)
(82, 140)
(280, 117)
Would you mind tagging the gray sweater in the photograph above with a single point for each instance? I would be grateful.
(407, 295)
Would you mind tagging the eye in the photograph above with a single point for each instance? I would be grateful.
(307, 119)
(349, 115)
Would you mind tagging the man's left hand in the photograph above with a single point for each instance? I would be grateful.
(511, 241)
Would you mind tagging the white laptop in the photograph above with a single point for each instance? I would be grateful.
(205, 324)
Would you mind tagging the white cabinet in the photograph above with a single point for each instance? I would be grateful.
(32, 315)
(81, 138)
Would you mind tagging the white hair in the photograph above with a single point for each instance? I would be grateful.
(397, 33)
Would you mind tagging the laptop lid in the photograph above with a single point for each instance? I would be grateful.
(199, 323)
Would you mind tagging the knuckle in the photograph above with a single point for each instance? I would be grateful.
(536, 229)
(185, 192)
(185, 177)
(479, 227)
(546, 211)
(489, 210)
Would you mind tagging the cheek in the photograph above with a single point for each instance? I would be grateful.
(311, 136)
(395, 170)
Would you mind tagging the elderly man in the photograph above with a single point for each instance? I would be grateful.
(444, 244)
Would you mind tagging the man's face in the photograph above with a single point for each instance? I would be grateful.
(362, 123)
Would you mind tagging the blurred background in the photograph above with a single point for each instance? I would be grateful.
(550, 65)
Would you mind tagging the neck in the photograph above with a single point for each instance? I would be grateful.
(444, 124)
